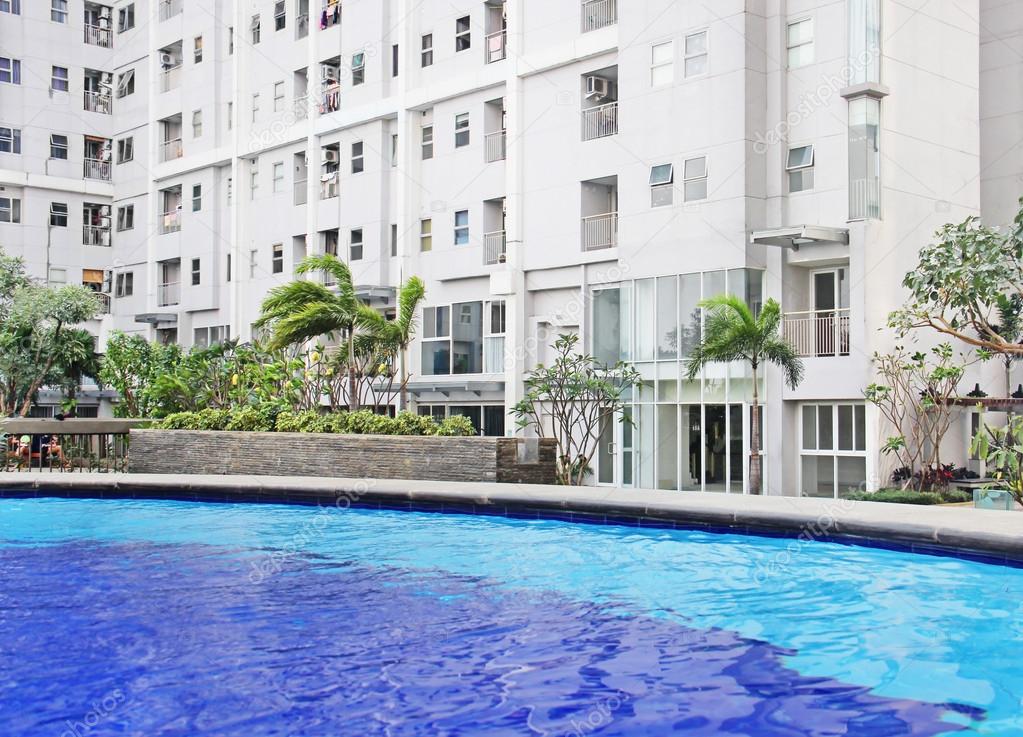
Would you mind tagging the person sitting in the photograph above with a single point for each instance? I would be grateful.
(54, 450)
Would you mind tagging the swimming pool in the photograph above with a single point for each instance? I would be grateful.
(179, 618)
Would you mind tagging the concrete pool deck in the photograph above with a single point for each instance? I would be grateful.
(926, 529)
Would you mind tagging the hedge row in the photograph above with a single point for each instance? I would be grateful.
(362, 422)
(906, 496)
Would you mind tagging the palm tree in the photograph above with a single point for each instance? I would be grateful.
(302, 310)
(400, 331)
(76, 358)
(733, 333)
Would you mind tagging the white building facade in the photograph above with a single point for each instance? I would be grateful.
(586, 166)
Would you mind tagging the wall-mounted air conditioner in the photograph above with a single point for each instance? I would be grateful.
(330, 156)
(166, 60)
(597, 88)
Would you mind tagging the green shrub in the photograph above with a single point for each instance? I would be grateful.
(456, 425)
(906, 496)
(409, 423)
(249, 419)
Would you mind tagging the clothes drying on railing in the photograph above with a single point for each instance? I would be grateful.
(331, 99)
(331, 14)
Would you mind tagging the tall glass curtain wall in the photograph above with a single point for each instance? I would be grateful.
(689, 435)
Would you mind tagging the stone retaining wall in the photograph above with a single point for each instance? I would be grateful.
(505, 460)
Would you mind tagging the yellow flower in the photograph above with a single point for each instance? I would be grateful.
(314, 356)
(309, 374)
(234, 380)
(383, 368)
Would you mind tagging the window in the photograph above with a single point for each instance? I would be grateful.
(125, 149)
(278, 176)
(255, 106)
(394, 239)
(355, 245)
(427, 141)
(461, 130)
(357, 158)
(58, 146)
(253, 179)
(695, 176)
(58, 11)
(196, 197)
(436, 340)
(425, 235)
(227, 267)
(10, 6)
(461, 227)
(230, 40)
(800, 168)
(394, 149)
(126, 217)
(662, 188)
(280, 16)
(126, 83)
(444, 355)
(696, 54)
(277, 258)
(394, 60)
(832, 449)
(426, 55)
(662, 63)
(58, 276)
(196, 123)
(463, 39)
(197, 49)
(58, 79)
(58, 214)
(230, 115)
(493, 340)
(358, 68)
(196, 272)
(124, 284)
(278, 96)
(864, 41)
(864, 158)
(253, 263)
(10, 210)
(10, 140)
(126, 18)
(800, 43)
(255, 29)
(10, 70)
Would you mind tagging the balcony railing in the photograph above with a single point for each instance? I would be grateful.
(330, 100)
(332, 12)
(496, 46)
(600, 121)
(168, 294)
(495, 246)
(328, 187)
(170, 150)
(169, 8)
(170, 222)
(817, 333)
(495, 146)
(96, 235)
(864, 199)
(301, 195)
(170, 79)
(104, 303)
(97, 102)
(96, 169)
(599, 13)
(96, 36)
(301, 26)
(600, 231)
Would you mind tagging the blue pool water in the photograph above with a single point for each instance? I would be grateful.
(171, 618)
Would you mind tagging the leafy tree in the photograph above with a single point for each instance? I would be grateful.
(733, 333)
(76, 360)
(1002, 447)
(580, 394)
(133, 366)
(397, 334)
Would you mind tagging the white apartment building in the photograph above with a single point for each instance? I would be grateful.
(546, 166)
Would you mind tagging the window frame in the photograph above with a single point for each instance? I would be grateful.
(126, 18)
(277, 181)
(425, 235)
(358, 160)
(255, 29)
(279, 94)
(56, 214)
(688, 55)
(196, 271)
(12, 207)
(280, 15)
(801, 169)
(460, 232)
(13, 7)
(55, 79)
(125, 149)
(197, 124)
(463, 35)
(790, 46)
(659, 66)
(426, 50)
(56, 12)
(12, 140)
(356, 243)
(125, 84)
(125, 217)
(124, 284)
(687, 180)
(57, 146)
(12, 70)
(358, 68)
(425, 144)
(465, 130)
(662, 187)
(196, 197)
(276, 258)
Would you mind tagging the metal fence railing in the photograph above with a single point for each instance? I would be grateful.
(68, 446)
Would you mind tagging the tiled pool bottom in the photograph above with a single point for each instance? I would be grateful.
(166, 618)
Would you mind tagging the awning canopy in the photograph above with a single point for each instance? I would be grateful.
(155, 318)
(795, 236)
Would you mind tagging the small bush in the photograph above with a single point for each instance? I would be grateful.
(456, 425)
(409, 423)
(249, 419)
(900, 496)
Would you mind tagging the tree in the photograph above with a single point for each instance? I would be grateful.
(1002, 447)
(398, 333)
(580, 394)
(76, 359)
(132, 365)
(964, 281)
(733, 333)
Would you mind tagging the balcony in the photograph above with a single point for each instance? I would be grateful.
(495, 246)
(97, 102)
(600, 121)
(96, 36)
(96, 169)
(96, 235)
(301, 195)
(170, 222)
(328, 186)
(331, 9)
(170, 79)
(495, 146)
(598, 14)
(864, 199)
(170, 150)
(496, 46)
(600, 231)
(169, 294)
(817, 333)
(169, 8)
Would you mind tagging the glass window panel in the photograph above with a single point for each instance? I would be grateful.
(696, 43)
(645, 445)
(864, 158)
(825, 427)
(860, 427)
(809, 427)
(696, 168)
(645, 320)
(606, 325)
(436, 358)
(667, 446)
(713, 283)
(716, 447)
(818, 476)
(845, 427)
(667, 390)
(864, 41)
(800, 156)
(493, 421)
(467, 338)
(661, 53)
(755, 289)
(689, 313)
(625, 322)
(667, 318)
(661, 174)
(852, 474)
(736, 449)
(691, 443)
(472, 412)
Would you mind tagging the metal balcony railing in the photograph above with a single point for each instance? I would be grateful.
(96, 235)
(328, 188)
(817, 333)
(96, 36)
(104, 303)
(168, 294)
(96, 169)
(170, 150)
(169, 8)
(864, 199)
(170, 79)
(97, 102)
(600, 231)
(496, 46)
(495, 247)
(301, 195)
(170, 222)
(600, 121)
(494, 144)
(598, 14)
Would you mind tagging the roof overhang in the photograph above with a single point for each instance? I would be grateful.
(373, 293)
(795, 236)
(155, 318)
(457, 388)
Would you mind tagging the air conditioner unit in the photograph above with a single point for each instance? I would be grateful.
(328, 73)
(104, 211)
(597, 88)
(502, 258)
(166, 60)
(330, 156)
(104, 23)
(104, 12)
